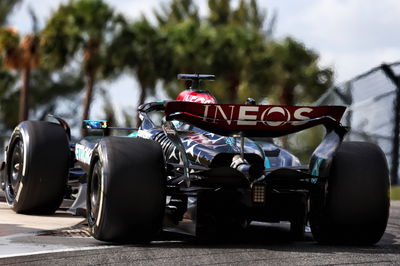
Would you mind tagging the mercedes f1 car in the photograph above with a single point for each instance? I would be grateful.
(205, 168)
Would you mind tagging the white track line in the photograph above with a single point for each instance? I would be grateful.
(10, 249)
(54, 251)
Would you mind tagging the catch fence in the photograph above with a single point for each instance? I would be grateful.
(373, 112)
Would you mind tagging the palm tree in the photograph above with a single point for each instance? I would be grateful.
(141, 49)
(42, 87)
(300, 77)
(80, 30)
(177, 11)
(22, 56)
(229, 42)
(6, 6)
(145, 66)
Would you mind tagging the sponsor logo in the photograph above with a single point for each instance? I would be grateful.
(83, 153)
(243, 115)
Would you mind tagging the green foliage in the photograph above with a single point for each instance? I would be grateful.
(8, 98)
(230, 43)
(300, 79)
(109, 112)
(8, 39)
(145, 54)
(395, 193)
(81, 30)
(176, 12)
(141, 49)
(6, 6)
(20, 54)
(78, 27)
(7, 79)
(247, 15)
(46, 88)
(47, 85)
(304, 143)
(235, 44)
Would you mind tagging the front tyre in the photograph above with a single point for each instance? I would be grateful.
(126, 190)
(357, 200)
(37, 167)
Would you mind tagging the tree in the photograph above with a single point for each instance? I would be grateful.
(236, 44)
(8, 101)
(229, 42)
(6, 6)
(18, 55)
(81, 27)
(176, 12)
(300, 79)
(7, 79)
(22, 56)
(141, 49)
(45, 87)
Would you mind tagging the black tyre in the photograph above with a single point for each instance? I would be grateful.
(357, 200)
(299, 220)
(126, 190)
(37, 167)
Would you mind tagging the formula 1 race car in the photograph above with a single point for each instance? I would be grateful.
(204, 169)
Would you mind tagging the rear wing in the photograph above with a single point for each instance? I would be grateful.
(253, 120)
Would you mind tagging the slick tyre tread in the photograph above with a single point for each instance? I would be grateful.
(45, 158)
(126, 190)
(357, 200)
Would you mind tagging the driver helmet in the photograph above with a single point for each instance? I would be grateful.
(196, 96)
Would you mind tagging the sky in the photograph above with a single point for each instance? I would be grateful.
(351, 36)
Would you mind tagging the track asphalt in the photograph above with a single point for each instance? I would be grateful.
(63, 239)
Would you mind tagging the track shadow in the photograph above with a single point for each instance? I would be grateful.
(275, 239)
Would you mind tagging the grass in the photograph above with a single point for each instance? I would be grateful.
(395, 192)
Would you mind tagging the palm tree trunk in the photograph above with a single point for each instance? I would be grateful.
(287, 95)
(142, 98)
(233, 90)
(23, 96)
(287, 98)
(87, 100)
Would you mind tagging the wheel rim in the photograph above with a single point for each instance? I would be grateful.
(14, 177)
(94, 193)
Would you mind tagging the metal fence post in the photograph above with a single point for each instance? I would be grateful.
(396, 130)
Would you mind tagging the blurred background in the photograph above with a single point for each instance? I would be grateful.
(98, 59)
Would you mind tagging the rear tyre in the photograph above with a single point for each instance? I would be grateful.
(126, 190)
(299, 221)
(36, 168)
(357, 200)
